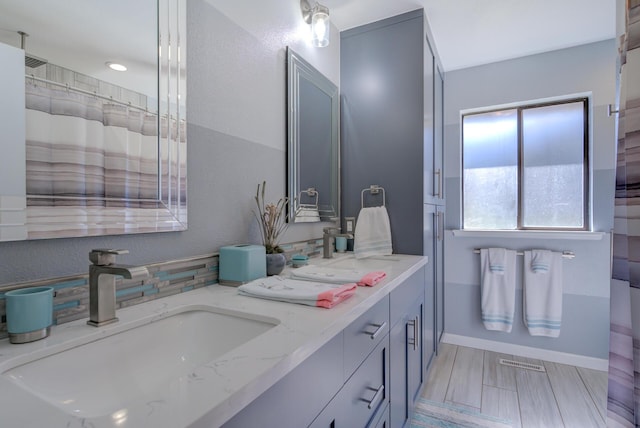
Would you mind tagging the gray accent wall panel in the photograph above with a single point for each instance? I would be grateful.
(382, 121)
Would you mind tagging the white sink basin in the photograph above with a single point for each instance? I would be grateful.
(104, 376)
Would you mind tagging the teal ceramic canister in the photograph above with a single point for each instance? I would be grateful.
(29, 313)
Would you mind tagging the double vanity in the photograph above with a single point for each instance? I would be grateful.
(210, 358)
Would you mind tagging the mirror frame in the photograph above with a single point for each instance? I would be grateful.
(298, 68)
(169, 212)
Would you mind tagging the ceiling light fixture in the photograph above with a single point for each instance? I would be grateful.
(318, 17)
(115, 66)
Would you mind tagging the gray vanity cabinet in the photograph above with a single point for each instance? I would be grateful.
(407, 316)
(392, 134)
(369, 375)
(343, 384)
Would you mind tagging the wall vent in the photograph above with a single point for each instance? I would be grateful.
(521, 365)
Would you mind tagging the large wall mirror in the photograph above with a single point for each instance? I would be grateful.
(313, 175)
(88, 150)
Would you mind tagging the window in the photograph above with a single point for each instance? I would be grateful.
(526, 167)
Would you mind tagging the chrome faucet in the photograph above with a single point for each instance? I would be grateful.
(328, 241)
(102, 284)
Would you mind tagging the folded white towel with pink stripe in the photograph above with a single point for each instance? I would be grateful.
(338, 276)
(301, 292)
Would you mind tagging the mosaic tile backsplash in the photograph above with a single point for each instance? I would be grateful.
(71, 294)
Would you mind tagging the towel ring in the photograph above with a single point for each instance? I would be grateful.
(374, 189)
(310, 192)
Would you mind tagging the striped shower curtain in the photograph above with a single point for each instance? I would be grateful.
(84, 150)
(623, 401)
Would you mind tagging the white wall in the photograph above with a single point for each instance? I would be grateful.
(236, 131)
(13, 214)
(584, 69)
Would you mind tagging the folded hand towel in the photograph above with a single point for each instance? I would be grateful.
(497, 257)
(302, 292)
(307, 214)
(338, 276)
(372, 278)
(498, 291)
(372, 236)
(542, 296)
(540, 261)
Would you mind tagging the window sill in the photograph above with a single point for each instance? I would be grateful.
(531, 234)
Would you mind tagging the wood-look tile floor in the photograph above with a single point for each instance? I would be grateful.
(563, 396)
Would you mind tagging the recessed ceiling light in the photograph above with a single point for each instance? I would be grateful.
(115, 66)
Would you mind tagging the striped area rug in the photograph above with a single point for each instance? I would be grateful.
(430, 414)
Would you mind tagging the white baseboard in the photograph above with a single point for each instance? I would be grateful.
(529, 352)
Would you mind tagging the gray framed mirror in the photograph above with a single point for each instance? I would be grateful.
(313, 132)
(92, 151)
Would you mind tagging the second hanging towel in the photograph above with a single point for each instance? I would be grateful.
(542, 292)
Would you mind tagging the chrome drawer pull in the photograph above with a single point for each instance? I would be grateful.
(376, 396)
(413, 341)
(416, 332)
(378, 330)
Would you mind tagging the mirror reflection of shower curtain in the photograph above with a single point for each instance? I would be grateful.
(79, 146)
(623, 398)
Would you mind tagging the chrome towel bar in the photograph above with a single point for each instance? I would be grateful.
(565, 254)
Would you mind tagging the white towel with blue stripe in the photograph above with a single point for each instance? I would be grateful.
(497, 259)
(540, 261)
(498, 288)
(372, 236)
(542, 292)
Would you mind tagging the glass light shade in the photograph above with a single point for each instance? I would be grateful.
(320, 27)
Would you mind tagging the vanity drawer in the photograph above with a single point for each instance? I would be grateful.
(366, 394)
(363, 400)
(362, 335)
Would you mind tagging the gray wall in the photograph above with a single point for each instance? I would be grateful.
(584, 69)
(236, 138)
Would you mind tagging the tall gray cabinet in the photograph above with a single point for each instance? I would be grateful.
(392, 98)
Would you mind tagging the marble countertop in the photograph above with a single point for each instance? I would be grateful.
(215, 391)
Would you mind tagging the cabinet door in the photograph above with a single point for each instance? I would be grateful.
(438, 136)
(398, 411)
(430, 179)
(439, 273)
(364, 398)
(430, 236)
(415, 355)
(366, 394)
